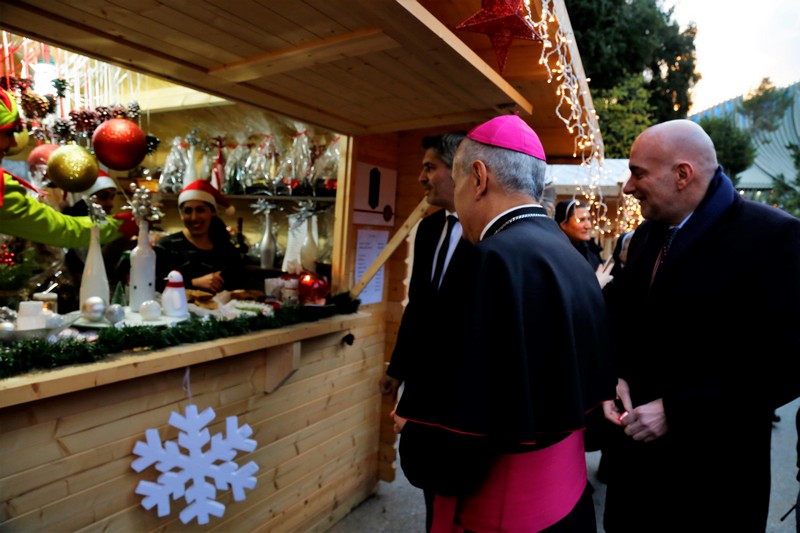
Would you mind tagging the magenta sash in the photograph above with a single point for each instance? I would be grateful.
(523, 492)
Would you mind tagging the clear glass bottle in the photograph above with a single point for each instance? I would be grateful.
(267, 248)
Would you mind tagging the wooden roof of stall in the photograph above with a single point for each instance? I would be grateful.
(353, 66)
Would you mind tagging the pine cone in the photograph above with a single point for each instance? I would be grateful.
(134, 110)
(35, 105)
(64, 130)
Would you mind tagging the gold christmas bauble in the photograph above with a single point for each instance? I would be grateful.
(72, 168)
(22, 138)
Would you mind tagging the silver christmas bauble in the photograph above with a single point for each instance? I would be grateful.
(114, 313)
(7, 326)
(150, 310)
(93, 309)
(53, 320)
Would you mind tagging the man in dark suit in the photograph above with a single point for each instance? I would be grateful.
(423, 329)
(697, 394)
(502, 445)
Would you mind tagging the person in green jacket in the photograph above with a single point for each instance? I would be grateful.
(23, 216)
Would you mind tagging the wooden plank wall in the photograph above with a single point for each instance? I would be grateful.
(383, 150)
(66, 461)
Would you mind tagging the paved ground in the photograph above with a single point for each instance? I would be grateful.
(398, 507)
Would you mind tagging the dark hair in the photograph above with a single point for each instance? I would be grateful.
(444, 145)
(218, 231)
(565, 209)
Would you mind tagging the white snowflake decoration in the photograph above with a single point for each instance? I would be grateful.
(186, 475)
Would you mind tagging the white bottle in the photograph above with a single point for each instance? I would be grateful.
(143, 270)
(94, 281)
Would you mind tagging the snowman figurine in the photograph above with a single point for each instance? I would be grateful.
(173, 299)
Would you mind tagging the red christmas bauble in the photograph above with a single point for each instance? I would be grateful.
(40, 155)
(119, 144)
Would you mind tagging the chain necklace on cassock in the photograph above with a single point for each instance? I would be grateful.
(514, 219)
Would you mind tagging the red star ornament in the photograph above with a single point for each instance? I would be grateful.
(502, 21)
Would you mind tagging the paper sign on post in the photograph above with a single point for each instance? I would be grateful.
(369, 245)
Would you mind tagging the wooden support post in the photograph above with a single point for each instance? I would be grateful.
(391, 246)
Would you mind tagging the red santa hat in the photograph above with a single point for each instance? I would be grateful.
(102, 182)
(202, 190)
(510, 132)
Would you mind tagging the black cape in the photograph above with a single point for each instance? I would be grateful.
(530, 359)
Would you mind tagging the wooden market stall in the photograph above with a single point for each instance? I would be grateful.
(382, 73)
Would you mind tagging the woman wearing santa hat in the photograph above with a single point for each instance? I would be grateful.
(202, 252)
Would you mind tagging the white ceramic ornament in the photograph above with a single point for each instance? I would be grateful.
(150, 310)
(31, 316)
(173, 299)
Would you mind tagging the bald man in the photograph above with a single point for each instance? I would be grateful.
(708, 344)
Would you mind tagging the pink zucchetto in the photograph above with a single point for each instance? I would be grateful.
(510, 132)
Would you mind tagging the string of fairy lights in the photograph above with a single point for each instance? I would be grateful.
(580, 119)
(93, 82)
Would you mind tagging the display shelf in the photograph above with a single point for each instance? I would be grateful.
(328, 199)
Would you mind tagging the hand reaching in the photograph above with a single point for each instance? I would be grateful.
(399, 422)
(602, 273)
(616, 410)
(389, 386)
(129, 227)
(212, 282)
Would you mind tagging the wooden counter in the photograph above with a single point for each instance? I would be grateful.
(67, 435)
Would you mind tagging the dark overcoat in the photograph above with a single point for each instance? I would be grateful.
(717, 337)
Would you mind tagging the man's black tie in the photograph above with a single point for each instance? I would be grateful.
(670, 236)
(667, 243)
(437, 273)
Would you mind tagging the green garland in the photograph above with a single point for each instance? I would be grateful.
(40, 354)
(14, 277)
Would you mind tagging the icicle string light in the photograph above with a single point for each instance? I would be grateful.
(90, 82)
(573, 110)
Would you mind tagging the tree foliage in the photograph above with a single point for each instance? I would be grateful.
(735, 149)
(618, 39)
(672, 73)
(623, 112)
(785, 194)
(764, 108)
